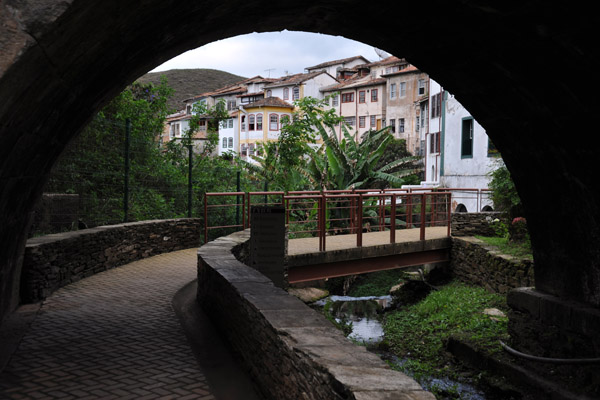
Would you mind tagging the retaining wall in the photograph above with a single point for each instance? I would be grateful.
(290, 350)
(473, 261)
(53, 261)
(474, 223)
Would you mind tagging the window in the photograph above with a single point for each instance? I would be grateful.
(391, 69)
(350, 120)
(492, 150)
(436, 105)
(230, 140)
(361, 122)
(374, 95)
(273, 122)
(202, 125)
(373, 121)
(418, 123)
(466, 149)
(230, 105)
(401, 125)
(243, 123)
(188, 109)
(393, 91)
(296, 93)
(347, 97)
(402, 89)
(259, 126)
(361, 96)
(175, 130)
(422, 87)
(244, 150)
(393, 125)
(224, 143)
(285, 119)
(251, 122)
(269, 93)
(286, 93)
(434, 142)
(230, 123)
(335, 100)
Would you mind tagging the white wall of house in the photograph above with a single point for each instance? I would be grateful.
(465, 160)
(311, 86)
(228, 137)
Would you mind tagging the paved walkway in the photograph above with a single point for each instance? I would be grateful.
(113, 335)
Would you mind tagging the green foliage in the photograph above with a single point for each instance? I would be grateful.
(419, 331)
(345, 164)
(504, 193)
(508, 247)
(93, 165)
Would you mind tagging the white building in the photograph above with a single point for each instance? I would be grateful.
(459, 154)
(297, 86)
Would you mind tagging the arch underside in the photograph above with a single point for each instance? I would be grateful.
(522, 70)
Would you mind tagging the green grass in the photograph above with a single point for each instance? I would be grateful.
(521, 250)
(418, 332)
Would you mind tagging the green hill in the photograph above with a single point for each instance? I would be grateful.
(191, 82)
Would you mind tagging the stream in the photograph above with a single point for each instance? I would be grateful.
(364, 313)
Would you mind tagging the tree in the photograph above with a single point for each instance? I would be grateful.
(504, 192)
(93, 165)
(347, 164)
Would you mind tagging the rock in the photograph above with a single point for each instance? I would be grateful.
(494, 312)
(308, 295)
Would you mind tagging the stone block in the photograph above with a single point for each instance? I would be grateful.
(525, 300)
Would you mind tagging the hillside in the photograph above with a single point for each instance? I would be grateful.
(191, 82)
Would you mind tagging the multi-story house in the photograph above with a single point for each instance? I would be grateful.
(294, 87)
(342, 68)
(459, 154)
(259, 122)
(360, 100)
(407, 104)
(231, 96)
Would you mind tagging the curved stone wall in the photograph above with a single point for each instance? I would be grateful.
(290, 350)
(54, 261)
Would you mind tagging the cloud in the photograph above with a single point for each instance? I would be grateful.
(269, 54)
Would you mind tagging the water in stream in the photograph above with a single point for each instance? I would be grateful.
(364, 313)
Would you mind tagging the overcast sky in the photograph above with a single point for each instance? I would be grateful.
(271, 54)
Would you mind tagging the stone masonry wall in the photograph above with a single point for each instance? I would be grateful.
(476, 223)
(473, 261)
(54, 261)
(290, 350)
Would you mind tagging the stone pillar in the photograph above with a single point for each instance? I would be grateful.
(268, 240)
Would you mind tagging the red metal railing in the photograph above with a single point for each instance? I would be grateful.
(330, 213)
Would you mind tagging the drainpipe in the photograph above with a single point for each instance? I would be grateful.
(442, 131)
(241, 108)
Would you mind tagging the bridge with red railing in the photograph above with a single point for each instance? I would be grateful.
(337, 233)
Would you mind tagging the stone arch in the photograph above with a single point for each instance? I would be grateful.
(519, 70)
(461, 208)
(487, 208)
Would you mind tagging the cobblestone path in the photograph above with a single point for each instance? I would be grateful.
(113, 335)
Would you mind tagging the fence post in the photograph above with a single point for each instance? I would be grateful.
(393, 220)
(237, 200)
(359, 217)
(423, 215)
(126, 183)
(205, 218)
(190, 156)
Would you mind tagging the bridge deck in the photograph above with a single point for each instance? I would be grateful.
(340, 242)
